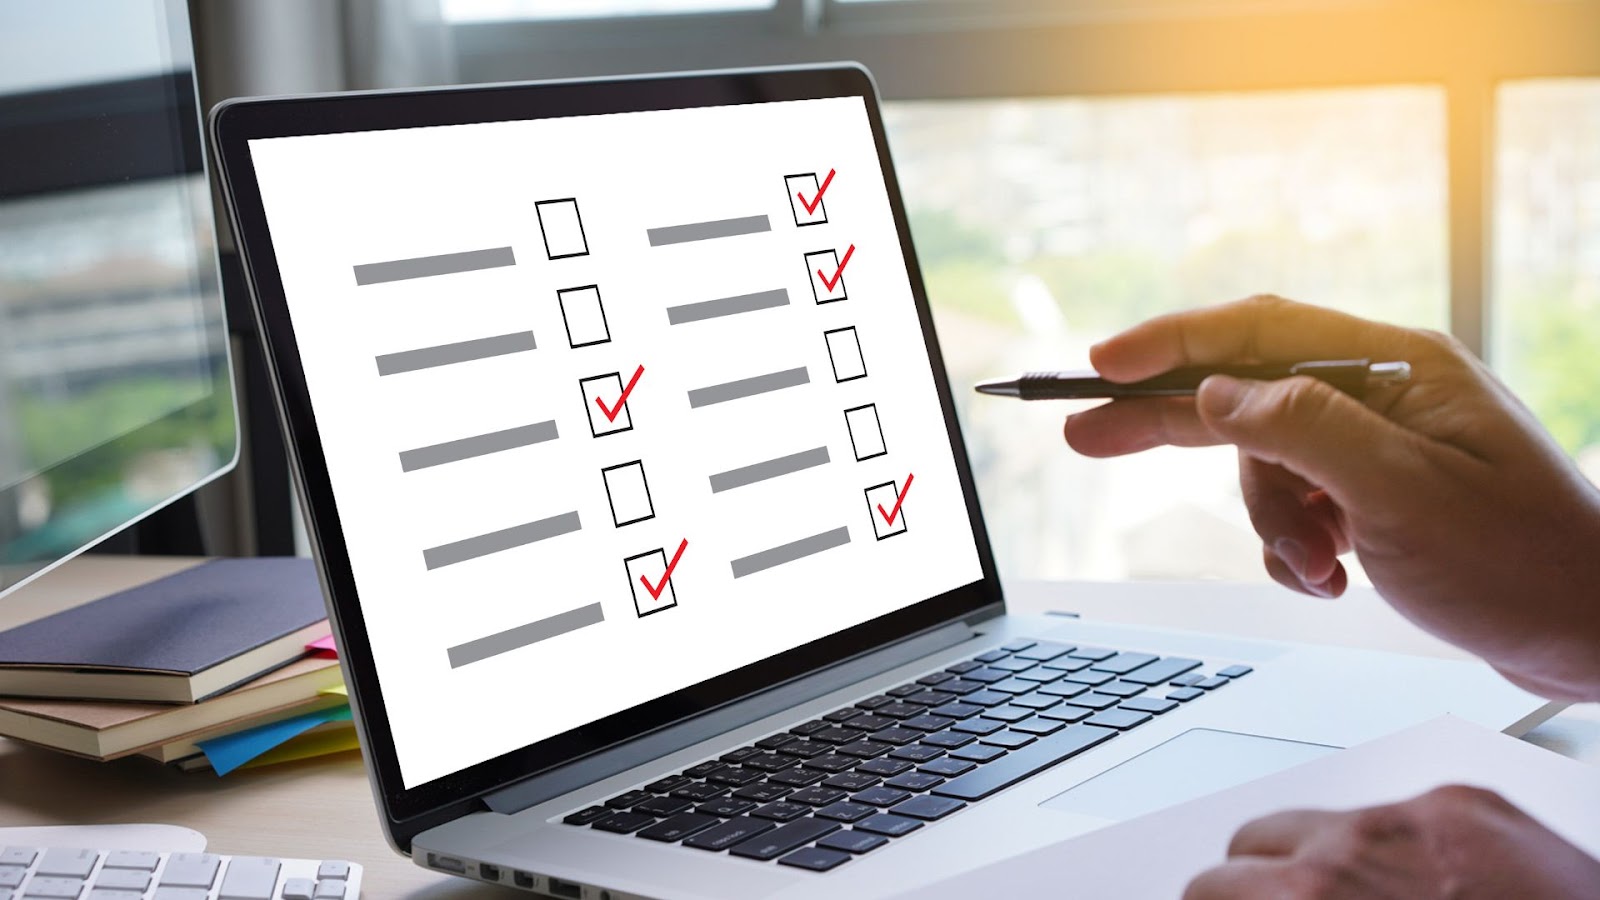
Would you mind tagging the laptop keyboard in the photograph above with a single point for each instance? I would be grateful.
(825, 791)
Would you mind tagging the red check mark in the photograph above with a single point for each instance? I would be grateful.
(811, 205)
(893, 514)
(839, 272)
(612, 411)
(655, 590)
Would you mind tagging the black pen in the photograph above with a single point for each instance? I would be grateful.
(1353, 376)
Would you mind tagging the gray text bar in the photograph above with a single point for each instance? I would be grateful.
(748, 387)
(428, 266)
(477, 445)
(705, 231)
(524, 635)
(505, 539)
(772, 468)
(790, 552)
(449, 354)
(727, 306)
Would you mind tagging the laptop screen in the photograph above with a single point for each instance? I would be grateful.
(610, 405)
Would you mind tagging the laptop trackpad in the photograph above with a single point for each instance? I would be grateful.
(1193, 764)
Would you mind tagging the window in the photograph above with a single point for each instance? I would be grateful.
(1043, 226)
(1547, 257)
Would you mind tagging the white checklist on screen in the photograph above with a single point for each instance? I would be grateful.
(588, 391)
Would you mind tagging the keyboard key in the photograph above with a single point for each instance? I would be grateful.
(947, 768)
(884, 767)
(700, 791)
(1037, 701)
(1185, 694)
(1013, 665)
(774, 741)
(1093, 701)
(1044, 652)
(703, 769)
(866, 749)
(838, 735)
(1125, 662)
(948, 740)
(1149, 705)
(1063, 689)
(628, 799)
(334, 868)
(807, 729)
(1018, 645)
(962, 668)
(961, 687)
(1066, 713)
(917, 753)
(1089, 677)
(735, 776)
(987, 697)
(299, 889)
(1163, 670)
(796, 777)
(771, 762)
(1041, 755)
(978, 726)
(900, 709)
(897, 737)
(930, 722)
(880, 796)
(931, 698)
(666, 785)
(725, 808)
(11, 876)
(1212, 683)
(872, 703)
(54, 888)
(65, 863)
(17, 856)
(904, 690)
(957, 710)
(1121, 689)
(664, 806)
(784, 838)
(914, 781)
(987, 675)
(991, 656)
(782, 811)
(1093, 654)
(1038, 725)
(729, 833)
(1013, 686)
(1007, 713)
(1187, 680)
(679, 827)
(763, 792)
(198, 870)
(1068, 664)
(816, 796)
(1119, 718)
(852, 781)
(183, 893)
(1235, 671)
(980, 753)
(587, 816)
(806, 749)
(616, 823)
(842, 715)
(889, 824)
(844, 811)
(928, 808)
(1010, 740)
(735, 756)
(1040, 675)
(936, 678)
(816, 859)
(142, 860)
(249, 878)
(331, 889)
(852, 841)
(870, 722)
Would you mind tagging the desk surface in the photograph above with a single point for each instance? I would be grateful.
(323, 808)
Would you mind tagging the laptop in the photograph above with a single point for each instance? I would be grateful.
(648, 535)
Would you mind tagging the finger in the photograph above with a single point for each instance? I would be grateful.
(1241, 879)
(1361, 459)
(1299, 531)
(1282, 574)
(1260, 329)
(1281, 833)
(1130, 426)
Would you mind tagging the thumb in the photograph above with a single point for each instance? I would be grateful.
(1310, 428)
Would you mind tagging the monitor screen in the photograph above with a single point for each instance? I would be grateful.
(611, 405)
(115, 393)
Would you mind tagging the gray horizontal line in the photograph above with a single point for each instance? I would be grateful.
(727, 306)
(772, 468)
(449, 354)
(705, 231)
(748, 387)
(428, 266)
(523, 635)
(790, 552)
(477, 445)
(496, 541)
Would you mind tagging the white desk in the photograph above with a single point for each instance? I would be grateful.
(323, 808)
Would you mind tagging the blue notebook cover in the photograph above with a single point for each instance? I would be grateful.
(180, 627)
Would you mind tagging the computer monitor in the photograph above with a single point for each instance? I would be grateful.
(116, 393)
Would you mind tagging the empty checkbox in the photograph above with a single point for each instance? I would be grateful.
(804, 190)
(844, 351)
(584, 315)
(562, 228)
(883, 505)
(607, 407)
(825, 275)
(628, 492)
(650, 567)
(866, 432)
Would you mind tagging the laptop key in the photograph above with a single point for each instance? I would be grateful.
(735, 776)
(948, 740)
(874, 702)
(832, 762)
(838, 735)
(1040, 755)
(774, 741)
(956, 710)
(987, 697)
(699, 791)
(1149, 705)
(666, 785)
(889, 824)
(795, 777)
(904, 690)
(930, 698)
(1066, 713)
(1018, 645)
(1093, 701)
(962, 668)
(901, 709)
(1044, 652)
(816, 859)
(1063, 689)
(1013, 665)
(1014, 686)
(784, 838)
(1038, 725)
(842, 715)
(816, 796)
(1185, 694)
(928, 808)
(961, 687)
(806, 749)
(917, 752)
(663, 806)
(807, 729)
(1119, 718)
(899, 737)
(1121, 689)
(979, 753)
(1090, 677)
(762, 792)
(1212, 683)
(1068, 664)
(987, 675)
(1010, 740)
(679, 827)
(1093, 654)
(991, 656)
(978, 726)
(928, 722)
(1125, 662)
(725, 808)
(1235, 671)
(866, 749)
(628, 799)
(729, 833)
(1037, 701)
(623, 822)
(1186, 680)
(880, 796)
(883, 766)
(782, 811)
(852, 781)
(914, 781)
(1162, 670)
(845, 811)
(587, 816)
(1008, 713)
(869, 722)
(771, 762)
(936, 678)
(703, 769)
(947, 768)
(1040, 675)
(852, 841)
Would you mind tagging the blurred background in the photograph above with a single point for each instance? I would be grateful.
(1074, 166)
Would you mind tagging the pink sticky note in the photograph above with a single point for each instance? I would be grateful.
(323, 646)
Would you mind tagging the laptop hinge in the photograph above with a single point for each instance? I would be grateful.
(539, 788)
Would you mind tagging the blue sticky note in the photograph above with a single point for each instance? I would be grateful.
(230, 751)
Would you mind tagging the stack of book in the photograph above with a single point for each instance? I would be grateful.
(218, 667)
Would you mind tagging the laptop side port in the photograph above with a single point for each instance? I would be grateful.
(447, 864)
(488, 872)
(522, 880)
(567, 889)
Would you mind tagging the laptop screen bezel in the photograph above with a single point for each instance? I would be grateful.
(235, 124)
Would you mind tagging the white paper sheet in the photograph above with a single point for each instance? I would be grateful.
(1156, 856)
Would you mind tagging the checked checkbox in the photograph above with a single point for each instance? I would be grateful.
(890, 519)
(605, 399)
(826, 274)
(805, 197)
(650, 580)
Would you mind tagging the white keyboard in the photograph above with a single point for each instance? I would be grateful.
(57, 873)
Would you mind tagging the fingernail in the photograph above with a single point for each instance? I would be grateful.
(1293, 554)
(1221, 394)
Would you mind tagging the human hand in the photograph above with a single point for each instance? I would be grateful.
(1456, 842)
(1464, 513)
